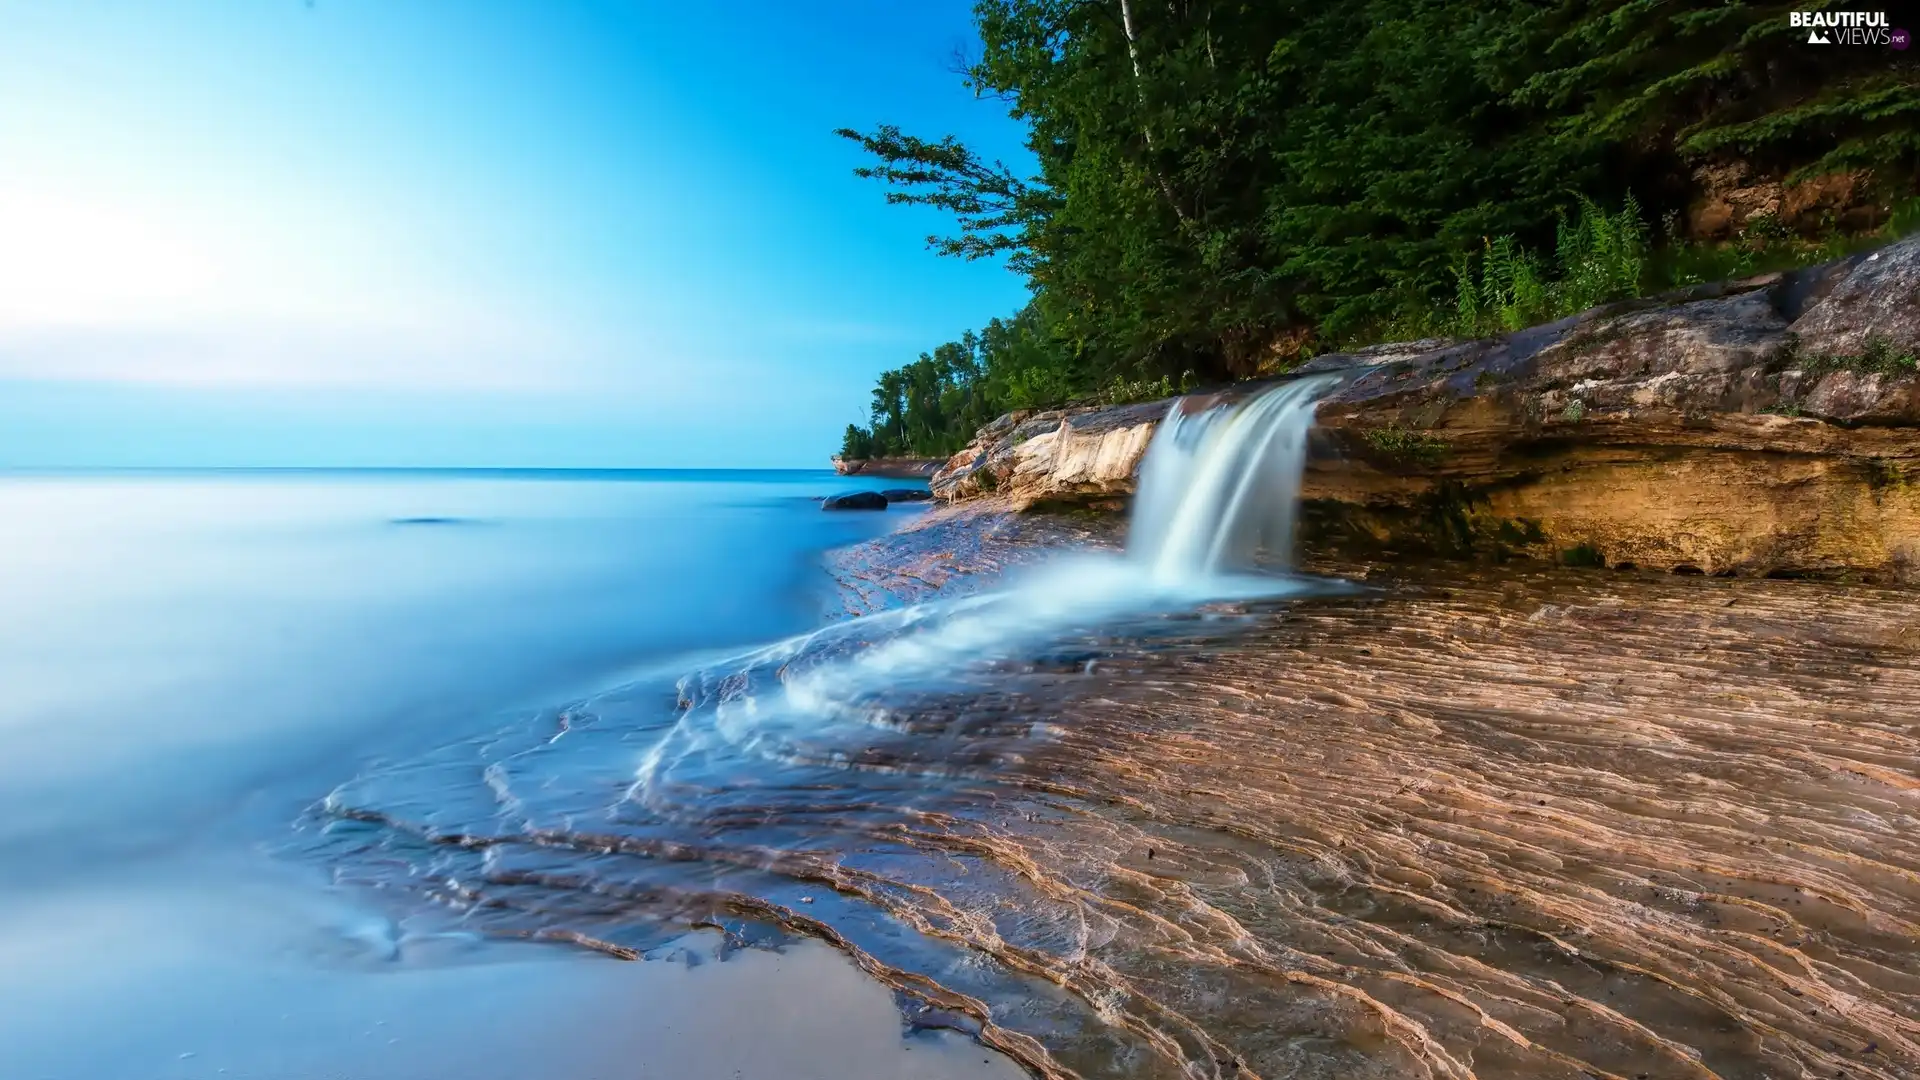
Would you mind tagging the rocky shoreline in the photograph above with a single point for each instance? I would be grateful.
(1446, 818)
(1552, 822)
(1558, 823)
(1764, 427)
(888, 468)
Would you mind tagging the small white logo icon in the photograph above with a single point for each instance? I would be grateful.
(1815, 37)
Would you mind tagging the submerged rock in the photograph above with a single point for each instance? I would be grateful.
(1764, 426)
(855, 500)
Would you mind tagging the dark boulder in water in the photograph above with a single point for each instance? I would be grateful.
(899, 495)
(856, 500)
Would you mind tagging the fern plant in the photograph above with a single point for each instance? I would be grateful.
(1601, 256)
(1597, 257)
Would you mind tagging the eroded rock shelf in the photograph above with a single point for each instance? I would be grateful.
(1494, 822)
(1761, 427)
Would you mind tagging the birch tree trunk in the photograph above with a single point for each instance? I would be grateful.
(1140, 95)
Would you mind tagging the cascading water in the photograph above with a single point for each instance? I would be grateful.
(1219, 485)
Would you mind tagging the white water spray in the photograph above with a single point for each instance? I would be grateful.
(1220, 485)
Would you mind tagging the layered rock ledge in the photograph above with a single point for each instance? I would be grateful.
(896, 468)
(1769, 426)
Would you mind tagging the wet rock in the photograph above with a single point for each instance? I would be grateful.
(954, 550)
(904, 495)
(856, 500)
(1763, 426)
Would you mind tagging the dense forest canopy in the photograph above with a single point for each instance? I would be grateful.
(1226, 185)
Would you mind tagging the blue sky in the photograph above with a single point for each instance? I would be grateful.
(415, 232)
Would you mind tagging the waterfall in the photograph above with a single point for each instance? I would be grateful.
(1219, 485)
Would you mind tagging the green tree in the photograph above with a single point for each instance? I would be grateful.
(1221, 183)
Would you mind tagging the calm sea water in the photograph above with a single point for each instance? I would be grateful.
(189, 661)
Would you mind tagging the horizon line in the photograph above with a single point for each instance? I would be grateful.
(19, 470)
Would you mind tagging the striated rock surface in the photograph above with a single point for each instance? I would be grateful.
(1061, 455)
(1459, 822)
(1765, 426)
(1880, 297)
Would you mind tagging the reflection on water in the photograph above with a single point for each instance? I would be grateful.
(189, 660)
(1500, 824)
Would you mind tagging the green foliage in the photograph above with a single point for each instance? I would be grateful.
(1882, 474)
(1601, 256)
(1763, 247)
(1406, 445)
(933, 406)
(1879, 357)
(993, 207)
(1904, 219)
(1597, 257)
(857, 444)
(1585, 556)
(1220, 185)
(1731, 80)
(1025, 366)
(1127, 391)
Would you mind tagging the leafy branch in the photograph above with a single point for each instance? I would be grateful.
(993, 207)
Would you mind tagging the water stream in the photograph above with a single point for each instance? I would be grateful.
(1221, 485)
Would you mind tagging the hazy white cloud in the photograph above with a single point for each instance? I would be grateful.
(148, 288)
(78, 253)
(267, 356)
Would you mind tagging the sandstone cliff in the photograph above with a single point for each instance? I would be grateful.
(888, 467)
(1766, 426)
